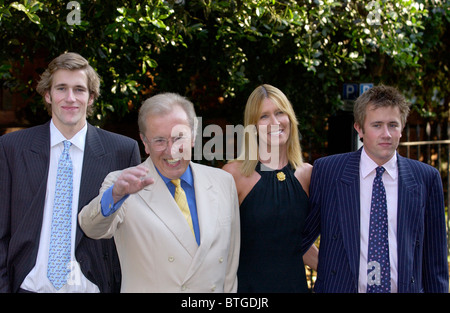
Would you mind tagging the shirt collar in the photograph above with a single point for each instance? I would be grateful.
(368, 165)
(56, 137)
(186, 177)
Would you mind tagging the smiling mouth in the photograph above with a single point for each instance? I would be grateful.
(276, 133)
(173, 162)
(70, 108)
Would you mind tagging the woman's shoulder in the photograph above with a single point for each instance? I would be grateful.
(303, 174)
(244, 184)
(232, 167)
(304, 170)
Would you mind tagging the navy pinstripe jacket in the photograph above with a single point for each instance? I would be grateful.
(335, 216)
(24, 158)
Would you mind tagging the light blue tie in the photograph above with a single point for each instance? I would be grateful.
(60, 242)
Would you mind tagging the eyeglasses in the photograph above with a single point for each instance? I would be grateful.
(161, 143)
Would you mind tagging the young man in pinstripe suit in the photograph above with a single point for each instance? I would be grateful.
(340, 203)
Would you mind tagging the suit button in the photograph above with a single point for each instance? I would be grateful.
(213, 288)
(171, 258)
(220, 260)
(183, 288)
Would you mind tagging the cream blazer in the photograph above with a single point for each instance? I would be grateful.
(157, 250)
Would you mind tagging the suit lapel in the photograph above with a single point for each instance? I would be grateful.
(349, 202)
(94, 154)
(207, 209)
(160, 201)
(92, 174)
(36, 160)
(408, 217)
(36, 163)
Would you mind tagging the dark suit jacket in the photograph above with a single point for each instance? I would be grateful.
(335, 215)
(24, 163)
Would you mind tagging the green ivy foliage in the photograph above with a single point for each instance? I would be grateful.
(217, 52)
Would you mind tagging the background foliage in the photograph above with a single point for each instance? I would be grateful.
(217, 52)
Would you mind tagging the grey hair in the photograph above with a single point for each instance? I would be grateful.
(165, 103)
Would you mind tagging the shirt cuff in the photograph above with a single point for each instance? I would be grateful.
(107, 202)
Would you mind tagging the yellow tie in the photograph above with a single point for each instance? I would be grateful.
(181, 200)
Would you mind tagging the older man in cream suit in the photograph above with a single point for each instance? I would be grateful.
(160, 247)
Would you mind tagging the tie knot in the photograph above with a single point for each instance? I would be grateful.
(67, 145)
(380, 171)
(176, 182)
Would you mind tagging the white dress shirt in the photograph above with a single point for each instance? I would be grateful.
(37, 280)
(390, 180)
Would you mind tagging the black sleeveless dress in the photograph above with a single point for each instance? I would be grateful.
(272, 221)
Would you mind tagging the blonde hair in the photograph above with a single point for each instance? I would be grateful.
(252, 113)
(69, 61)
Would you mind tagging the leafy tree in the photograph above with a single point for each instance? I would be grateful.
(217, 52)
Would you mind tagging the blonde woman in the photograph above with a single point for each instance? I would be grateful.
(272, 183)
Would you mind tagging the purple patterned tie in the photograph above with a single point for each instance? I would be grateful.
(60, 242)
(378, 266)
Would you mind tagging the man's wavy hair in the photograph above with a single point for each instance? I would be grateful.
(69, 61)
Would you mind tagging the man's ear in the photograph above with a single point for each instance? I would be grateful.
(359, 129)
(91, 99)
(146, 143)
(48, 97)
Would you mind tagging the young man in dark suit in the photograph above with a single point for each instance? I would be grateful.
(405, 250)
(28, 187)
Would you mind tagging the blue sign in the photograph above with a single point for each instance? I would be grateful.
(350, 91)
(364, 87)
(353, 91)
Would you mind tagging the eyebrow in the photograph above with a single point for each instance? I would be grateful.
(270, 111)
(65, 85)
(388, 122)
